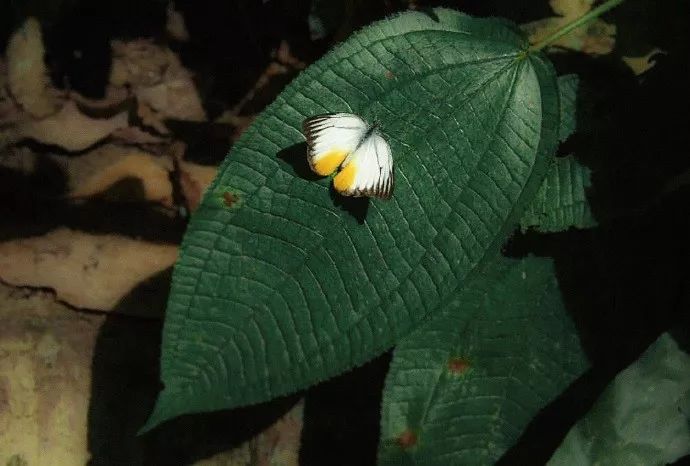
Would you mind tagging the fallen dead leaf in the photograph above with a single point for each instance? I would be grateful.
(69, 128)
(284, 55)
(157, 78)
(114, 97)
(85, 270)
(596, 38)
(46, 355)
(9, 112)
(150, 118)
(194, 179)
(27, 74)
(175, 24)
(641, 64)
(98, 170)
(137, 136)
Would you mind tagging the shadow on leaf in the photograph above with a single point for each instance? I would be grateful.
(296, 157)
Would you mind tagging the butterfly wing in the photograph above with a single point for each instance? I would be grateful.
(368, 171)
(331, 138)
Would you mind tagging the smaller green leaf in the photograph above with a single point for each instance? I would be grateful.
(567, 92)
(462, 388)
(561, 201)
(642, 418)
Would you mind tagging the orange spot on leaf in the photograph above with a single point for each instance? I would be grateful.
(458, 365)
(229, 198)
(389, 74)
(407, 439)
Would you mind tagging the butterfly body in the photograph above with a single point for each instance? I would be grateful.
(345, 141)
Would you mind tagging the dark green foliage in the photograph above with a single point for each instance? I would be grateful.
(287, 287)
(467, 383)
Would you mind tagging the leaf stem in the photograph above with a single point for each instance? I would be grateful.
(581, 21)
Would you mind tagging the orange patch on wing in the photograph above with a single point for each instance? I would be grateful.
(344, 180)
(329, 162)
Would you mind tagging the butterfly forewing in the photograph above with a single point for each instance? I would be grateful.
(331, 138)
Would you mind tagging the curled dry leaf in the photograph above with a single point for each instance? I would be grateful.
(194, 179)
(642, 63)
(85, 270)
(150, 118)
(27, 75)
(98, 170)
(157, 78)
(597, 38)
(277, 445)
(69, 128)
(9, 111)
(137, 136)
(46, 353)
(284, 55)
(114, 97)
(175, 24)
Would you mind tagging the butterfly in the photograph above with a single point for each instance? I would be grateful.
(346, 141)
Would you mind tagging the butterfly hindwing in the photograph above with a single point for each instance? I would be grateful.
(331, 138)
(368, 171)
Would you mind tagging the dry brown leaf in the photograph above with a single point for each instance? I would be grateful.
(641, 64)
(27, 75)
(69, 128)
(152, 119)
(157, 78)
(175, 24)
(9, 112)
(137, 136)
(596, 38)
(194, 179)
(114, 97)
(98, 170)
(284, 55)
(46, 355)
(276, 446)
(85, 270)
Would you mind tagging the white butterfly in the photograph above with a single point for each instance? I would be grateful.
(345, 141)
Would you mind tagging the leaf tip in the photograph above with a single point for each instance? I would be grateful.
(162, 411)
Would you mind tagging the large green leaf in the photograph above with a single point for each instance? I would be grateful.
(463, 387)
(284, 288)
(642, 418)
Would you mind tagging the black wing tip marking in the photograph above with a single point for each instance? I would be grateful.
(383, 189)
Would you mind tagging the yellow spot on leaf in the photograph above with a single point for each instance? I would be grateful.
(329, 162)
(346, 178)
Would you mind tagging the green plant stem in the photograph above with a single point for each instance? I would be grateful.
(581, 21)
